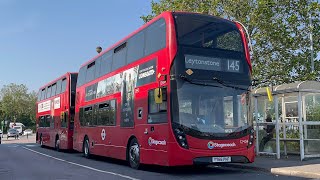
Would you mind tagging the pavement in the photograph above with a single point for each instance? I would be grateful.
(292, 166)
(21, 140)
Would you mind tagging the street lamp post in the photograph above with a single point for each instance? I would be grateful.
(311, 42)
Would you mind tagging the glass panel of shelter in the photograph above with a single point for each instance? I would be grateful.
(311, 113)
(288, 121)
(265, 119)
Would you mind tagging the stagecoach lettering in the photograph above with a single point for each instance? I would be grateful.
(146, 73)
(152, 141)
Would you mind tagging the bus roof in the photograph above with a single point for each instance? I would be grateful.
(162, 15)
(60, 77)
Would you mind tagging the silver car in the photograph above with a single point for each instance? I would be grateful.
(12, 133)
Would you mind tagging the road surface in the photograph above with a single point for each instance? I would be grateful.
(30, 161)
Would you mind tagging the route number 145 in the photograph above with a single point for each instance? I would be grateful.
(233, 65)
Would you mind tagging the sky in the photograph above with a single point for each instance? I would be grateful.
(42, 40)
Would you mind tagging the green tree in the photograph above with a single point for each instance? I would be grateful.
(279, 31)
(16, 104)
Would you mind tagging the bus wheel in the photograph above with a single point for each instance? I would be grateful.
(86, 146)
(41, 141)
(134, 154)
(57, 144)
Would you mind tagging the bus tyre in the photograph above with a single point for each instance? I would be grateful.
(86, 146)
(57, 144)
(134, 154)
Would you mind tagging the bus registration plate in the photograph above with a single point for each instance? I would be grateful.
(221, 159)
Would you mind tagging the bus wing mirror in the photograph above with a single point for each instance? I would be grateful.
(158, 95)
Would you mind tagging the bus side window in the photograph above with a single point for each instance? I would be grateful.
(106, 113)
(88, 116)
(157, 112)
(50, 121)
(81, 117)
(63, 120)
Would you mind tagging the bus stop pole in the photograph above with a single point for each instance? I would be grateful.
(257, 126)
(277, 125)
(300, 127)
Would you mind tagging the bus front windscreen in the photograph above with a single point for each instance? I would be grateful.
(211, 111)
(210, 79)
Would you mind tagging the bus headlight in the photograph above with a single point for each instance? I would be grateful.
(181, 138)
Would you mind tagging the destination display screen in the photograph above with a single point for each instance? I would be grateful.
(212, 63)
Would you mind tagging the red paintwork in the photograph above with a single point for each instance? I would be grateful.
(117, 138)
(245, 45)
(49, 134)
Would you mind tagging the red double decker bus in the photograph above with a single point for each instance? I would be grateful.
(174, 92)
(55, 112)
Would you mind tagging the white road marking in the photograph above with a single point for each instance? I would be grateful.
(13, 146)
(31, 145)
(80, 165)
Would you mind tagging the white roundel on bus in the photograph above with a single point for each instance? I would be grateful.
(103, 134)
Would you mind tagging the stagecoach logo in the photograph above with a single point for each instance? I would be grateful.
(103, 134)
(156, 142)
(212, 145)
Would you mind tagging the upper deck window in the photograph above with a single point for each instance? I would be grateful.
(82, 76)
(136, 47)
(144, 43)
(119, 56)
(53, 89)
(155, 37)
(43, 93)
(90, 71)
(97, 69)
(58, 87)
(49, 92)
(106, 61)
(207, 32)
(63, 85)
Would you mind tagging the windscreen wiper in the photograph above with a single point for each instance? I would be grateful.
(183, 77)
(227, 85)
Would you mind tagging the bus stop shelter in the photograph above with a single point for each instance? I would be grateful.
(288, 121)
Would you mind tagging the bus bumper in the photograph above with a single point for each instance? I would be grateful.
(179, 156)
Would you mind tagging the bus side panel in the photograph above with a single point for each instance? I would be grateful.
(77, 134)
(116, 138)
(152, 137)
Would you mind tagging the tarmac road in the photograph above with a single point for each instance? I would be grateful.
(30, 161)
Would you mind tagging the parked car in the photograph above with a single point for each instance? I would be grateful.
(27, 132)
(12, 133)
